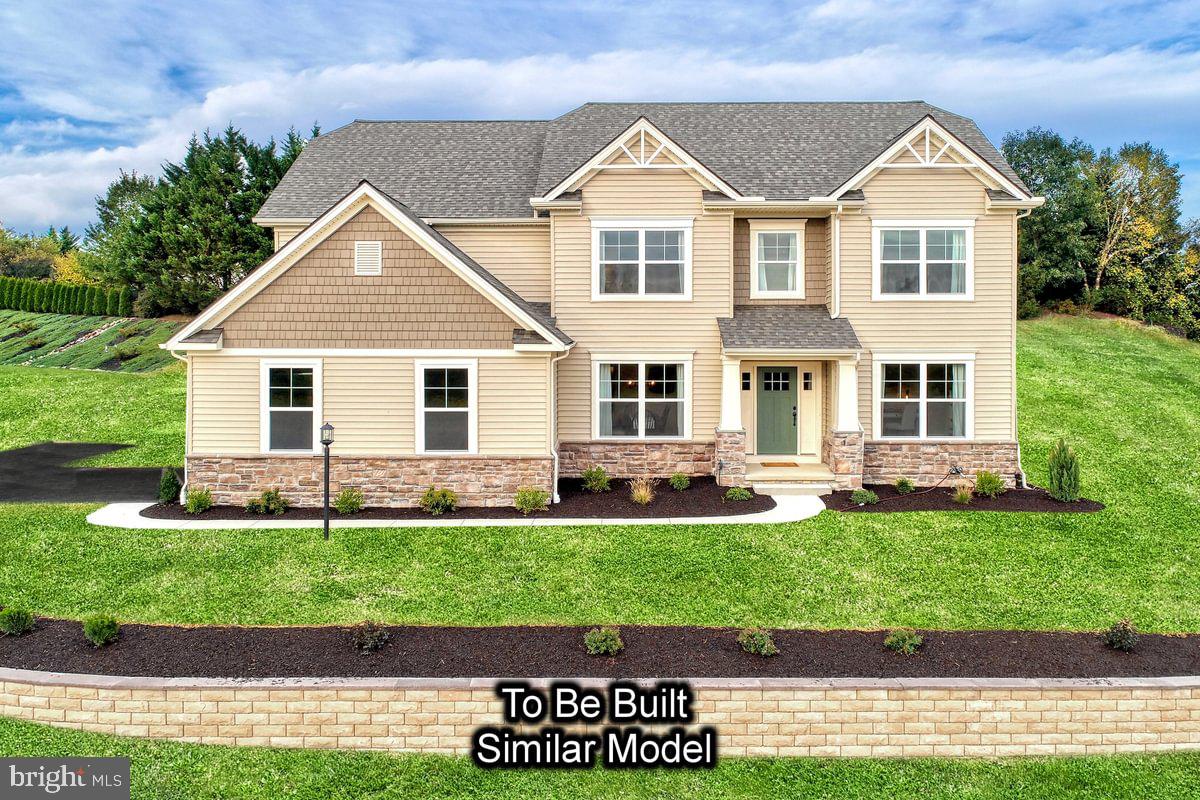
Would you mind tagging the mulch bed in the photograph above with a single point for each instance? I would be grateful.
(166, 651)
(942, 499)
(704, 498)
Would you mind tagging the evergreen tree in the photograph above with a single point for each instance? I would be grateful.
(112, 302)
(125, 308)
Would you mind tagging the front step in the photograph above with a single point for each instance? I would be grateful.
(808, 488)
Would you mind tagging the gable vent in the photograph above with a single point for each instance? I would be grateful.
(368, 258)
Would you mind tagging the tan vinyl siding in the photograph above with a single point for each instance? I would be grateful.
(285, 233)
(371, 402)
(986, 325)
(641, 326)
(519, 255)
(816, 264)
(416, 303)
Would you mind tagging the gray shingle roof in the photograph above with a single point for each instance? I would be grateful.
(491, 169)
(791, 327)
(205, 336)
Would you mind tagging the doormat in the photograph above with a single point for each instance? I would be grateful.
(780, 464)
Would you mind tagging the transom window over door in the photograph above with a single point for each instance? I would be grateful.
(290, 406)
(923, 260)
(924, 400)
(641, 400)
(635, 259)
(777, 259)
(446, 407)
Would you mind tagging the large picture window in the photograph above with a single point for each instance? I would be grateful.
(923, 260)
(641, 400)
(291, 401)
(923, 399)
(777, 259)
(446, 407)
(641, 259)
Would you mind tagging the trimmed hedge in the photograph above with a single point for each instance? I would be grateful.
(49, 297)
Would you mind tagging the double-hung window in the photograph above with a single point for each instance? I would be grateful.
(924, 399)
(641, 399)
(777, 259)
(923, 259)
(446, 407)
(641, 259)
(291, 406)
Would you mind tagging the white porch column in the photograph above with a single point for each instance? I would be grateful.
(731, 395)
(847, 397)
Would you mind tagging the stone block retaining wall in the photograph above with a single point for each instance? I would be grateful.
(384, 482)
(753, 717)
(925, 463)
(631, 459)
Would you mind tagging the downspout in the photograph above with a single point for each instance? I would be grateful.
(1022, 214)
(836, 266)
(554, 424)
(187, 426)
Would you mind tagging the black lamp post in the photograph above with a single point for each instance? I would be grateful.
(326, 441)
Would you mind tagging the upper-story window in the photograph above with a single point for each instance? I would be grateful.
(923, 259)
(642, 259)
(777, 259)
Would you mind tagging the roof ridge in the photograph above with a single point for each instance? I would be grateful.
(441, 121)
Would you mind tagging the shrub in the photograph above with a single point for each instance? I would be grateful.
(25, 326)
(269, 502)
(198, 501)
(738, 494)
(679, 482)
(1064, 473)
(168, 486)
(989, 484)
(641, 490)
(964, 492)
(15, 621)
(348, 501)
(864, 497)
(369, 636)
(904, 486)
(529, 499)
(125, 352)
(595, 479)
(758, 642)
(100, 629)
(438, 501)
(603, 641)
(903, 640)
(1121, 636)
(34, 343)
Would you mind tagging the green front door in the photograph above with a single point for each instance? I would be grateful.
(776, 417)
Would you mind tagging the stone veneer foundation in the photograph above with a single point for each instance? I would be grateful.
(384, 482)
(631, 459)
(926, 463)
(842, 452)
(731, 457)
(753, 717)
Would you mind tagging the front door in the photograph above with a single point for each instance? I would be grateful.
(775, 419)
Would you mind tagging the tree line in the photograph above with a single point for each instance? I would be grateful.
(53, 297)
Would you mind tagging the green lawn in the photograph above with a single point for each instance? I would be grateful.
(168, 769)
(1127, 398)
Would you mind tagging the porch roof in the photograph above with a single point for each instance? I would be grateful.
(786, 327)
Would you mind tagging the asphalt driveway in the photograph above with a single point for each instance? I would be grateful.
(39, 474)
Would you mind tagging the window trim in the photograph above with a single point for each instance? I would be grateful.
(377, 246)
(642, 359)
(923, 225)
(471, 365)
(264, 402)
(641, 225)
(879, 359)
(795, 226)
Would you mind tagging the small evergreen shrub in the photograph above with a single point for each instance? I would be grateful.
(198, 501)
(15, 621)
(679, 482)
(1121, 636)
(438, 501)
(905, 641)
(269, 502)
(738, 494)
(989, 484)
(964, 492)
(596, 480)
(369, 636)
(34, 343)
(529, 499)
(25, 326)
(904, 486)
(348, 501)
(603, 641)
(1064, 473)
(641, 490)
(758, 641)
(100, 629)
(864, 497)
(168, 486)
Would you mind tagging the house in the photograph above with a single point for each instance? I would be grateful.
(803, 296)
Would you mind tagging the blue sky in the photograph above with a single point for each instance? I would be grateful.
(88, 89)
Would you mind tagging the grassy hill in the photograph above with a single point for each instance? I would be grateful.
(116, 344)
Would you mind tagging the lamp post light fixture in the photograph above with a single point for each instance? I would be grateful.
(326, 441)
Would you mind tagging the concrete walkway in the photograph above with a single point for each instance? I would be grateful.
(788, 508)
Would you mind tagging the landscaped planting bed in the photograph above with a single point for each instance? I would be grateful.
(704, 498)
(537, 651)
(942, 499)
